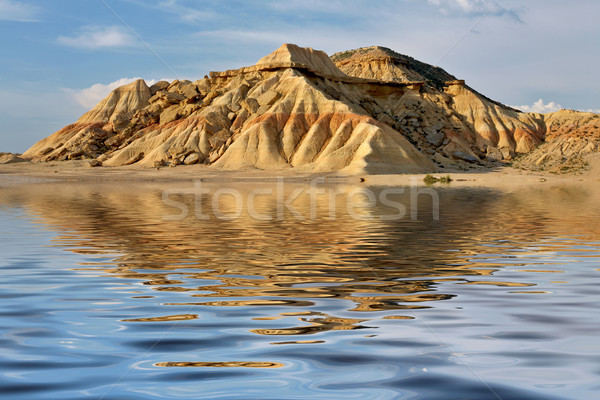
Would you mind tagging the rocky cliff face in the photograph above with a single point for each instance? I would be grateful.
(571, 136)
(364, 111)
(555, 141)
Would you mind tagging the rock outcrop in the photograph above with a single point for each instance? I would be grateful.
(479, 126)
(91, 135)
(364, 111)
(10, 158)
(571, 136)
(473, 124)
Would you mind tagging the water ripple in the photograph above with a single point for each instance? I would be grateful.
(102, 298)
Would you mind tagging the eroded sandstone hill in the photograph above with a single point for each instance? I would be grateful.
(369, 110)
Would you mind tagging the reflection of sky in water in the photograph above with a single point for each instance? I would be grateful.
(102, 297)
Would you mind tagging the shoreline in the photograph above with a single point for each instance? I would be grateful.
(79, 171)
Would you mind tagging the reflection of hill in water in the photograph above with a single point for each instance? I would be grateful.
(374, 264)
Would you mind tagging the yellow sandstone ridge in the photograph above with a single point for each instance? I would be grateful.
(369, 110)
(316, 60)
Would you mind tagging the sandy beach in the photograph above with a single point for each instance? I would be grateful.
(79, 171)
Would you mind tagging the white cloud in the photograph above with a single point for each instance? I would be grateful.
(95, 37)
(465, 5)
(540, 107)
(187, 14)
(474, 8)
(92, 95)
(12, 10)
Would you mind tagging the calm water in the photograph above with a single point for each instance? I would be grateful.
(106, 294)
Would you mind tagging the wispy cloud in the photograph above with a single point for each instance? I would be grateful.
(187, 14)
(540, 107)
(271, 37)
(316, 6)
(96, 37)
(183, 12)
(12, 10)
(92, 95)
(476, 8)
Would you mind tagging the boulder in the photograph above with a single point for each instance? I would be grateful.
(434, 137)
(193, 158)
(170, 97)
(161, 85)
(170, 114)
(46, 150)
(268, 98)
(218, 139)
(461, 155)
(443, 160)
(134, 159)
(250, 104)
(493, 154)
(507, 153)
(188, 90)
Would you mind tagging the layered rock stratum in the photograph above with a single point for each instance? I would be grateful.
(369, 110)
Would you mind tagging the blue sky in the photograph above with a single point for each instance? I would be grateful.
(60, 57)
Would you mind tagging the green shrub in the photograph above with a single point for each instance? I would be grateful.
(430, 179)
